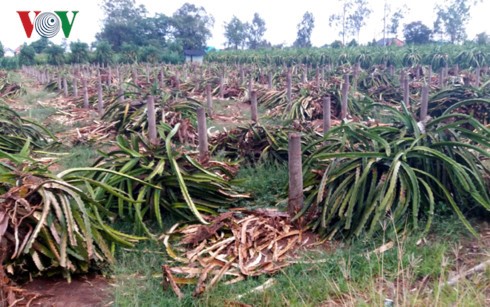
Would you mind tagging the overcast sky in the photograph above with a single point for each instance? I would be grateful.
(281, 17)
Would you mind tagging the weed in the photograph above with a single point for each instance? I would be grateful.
(39, 114)
(138, 277)
(265, 181)
(78, 156)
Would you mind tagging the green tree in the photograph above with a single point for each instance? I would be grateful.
(353, 43)
(79, 52)
(103, 53)
(123, 22)
(156, 30)
(336, 44)
(357, 19)
(9, 63)
(2, 51)
(56, 55)
(417, 33)
(41, 44)
(27, 55)
(122, 10)
(482, 38)
(130, 53)
(340, 20)
(452, 19)
(150, 54)
(173, 54)
(256, 32)
(191, 26)
(392, 18)
(305, 28)
(351, 19)
(236, 33)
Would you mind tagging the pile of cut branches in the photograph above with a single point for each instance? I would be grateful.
(48, 224)
(256, 142)
(153, 180)
(15, 130)
(234, 246)
(9, 89)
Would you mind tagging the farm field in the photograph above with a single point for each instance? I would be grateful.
(181, 184)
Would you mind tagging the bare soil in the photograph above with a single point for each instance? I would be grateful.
(83, 291)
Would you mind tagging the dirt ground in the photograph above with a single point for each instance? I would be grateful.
(83, 291)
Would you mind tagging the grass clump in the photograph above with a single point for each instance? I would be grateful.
(79, 156)
(265, 181)
(138, 277)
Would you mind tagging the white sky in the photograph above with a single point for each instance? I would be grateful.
(281, 17)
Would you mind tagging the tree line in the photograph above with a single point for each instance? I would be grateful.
(130, 35)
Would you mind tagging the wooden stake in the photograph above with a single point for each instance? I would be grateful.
(392, 70)
(100, 102)
(161, 79)
(357, 71)
(424, 103)
(65, 87)
(177, 80)
(120, 94)
(441, 78)
(250, 86)
(118, 75)
(75, 87)
(203, 134)
(85, 93)
(135, 76)
(253, 106)
(109, 76)
(60, 83)
(242, 75)
(288, 86)
(295, 165)
(345, 94)
(270, 85)
(327, 120)
(477, 79)
(152, 123)
(221, 87)
(406, 92)
(429, 75)
(209, 99)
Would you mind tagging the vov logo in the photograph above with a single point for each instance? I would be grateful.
(47, 24)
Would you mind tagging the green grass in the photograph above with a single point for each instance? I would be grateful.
(347, 277)
(39, 113)
(78, 156)
(138, 277)
(265, 182)
(33, 96)
(238, 115)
